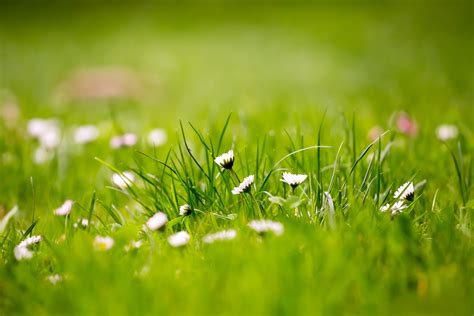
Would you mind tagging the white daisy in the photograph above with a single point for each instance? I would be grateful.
(125, 140)
(54, 278)
(42, 155)
(396, 208)
(157, 221)
(123, 180)
(185, 210)
(134, 245)
(30, 241)
(102, 243)
(262, 226)
(179, 239)
(22, 252)
(245, 186)
(157, 137)
(82, 222)
(226, 160)
(294, 180)
(219, 236)
(38, 127)
(64, 209)
(85, 134)
(446, 132)
(405, 192)
(50, 138)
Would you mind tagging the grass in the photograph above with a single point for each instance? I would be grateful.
(288, 88)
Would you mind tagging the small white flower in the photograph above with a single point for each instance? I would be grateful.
(219, 236)
(125, 140)
(185, 210)
(133, 245)
(123, 180)
(262, 226)
(85, 134)
(42, 155)
(157, 137)
(50, 138)
(37, 127)
(225, 160)
(102, 243)
(83, 222)
(294, 180)
(54, 278)
(30, 241)
(405, 192)
(64, 209)
(245, 186)
(397, 207)
(446, 132)
(157, 221)
(179, 239)
(22, 253)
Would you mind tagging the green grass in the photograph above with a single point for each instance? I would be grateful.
(313, 77)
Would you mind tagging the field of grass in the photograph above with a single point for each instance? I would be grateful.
(349, 95)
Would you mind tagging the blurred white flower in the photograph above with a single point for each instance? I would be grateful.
(405, 192)
(179, 239)
(50, 138)
(397, 207)
(446, 132)
(125, 140)
(64, 209)
(225, 160)
(85, 134)
(42, 155)
(245, 186)
(22, 252)
(37, 127)
(262, 226)
(30, 241)
(218, 236)
(157, 137)
(293, 180)
(133, 245)
(124, 179)
(185, 210)
(102, 243)
(157, 221)
(54, 278)
(82, 222)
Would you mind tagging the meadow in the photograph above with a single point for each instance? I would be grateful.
(224, 159)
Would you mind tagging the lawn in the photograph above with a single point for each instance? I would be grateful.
(116, 123)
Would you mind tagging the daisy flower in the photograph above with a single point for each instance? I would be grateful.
(125, 140)
(85, 134)
(405, 192)
(157, 221)
(225, 160)
(185, 210)
(42, 155)
(54, 278)
(245, 186)
(83, 223)
(64, 209)
(157, 137)
(294, 180)
(123, 180)
(179, 239)
(220, 236)
(133, 245)
(264, 225)
(396, 208)
(406, 125)
(22, 252)
(102, 243)
(446, 132)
